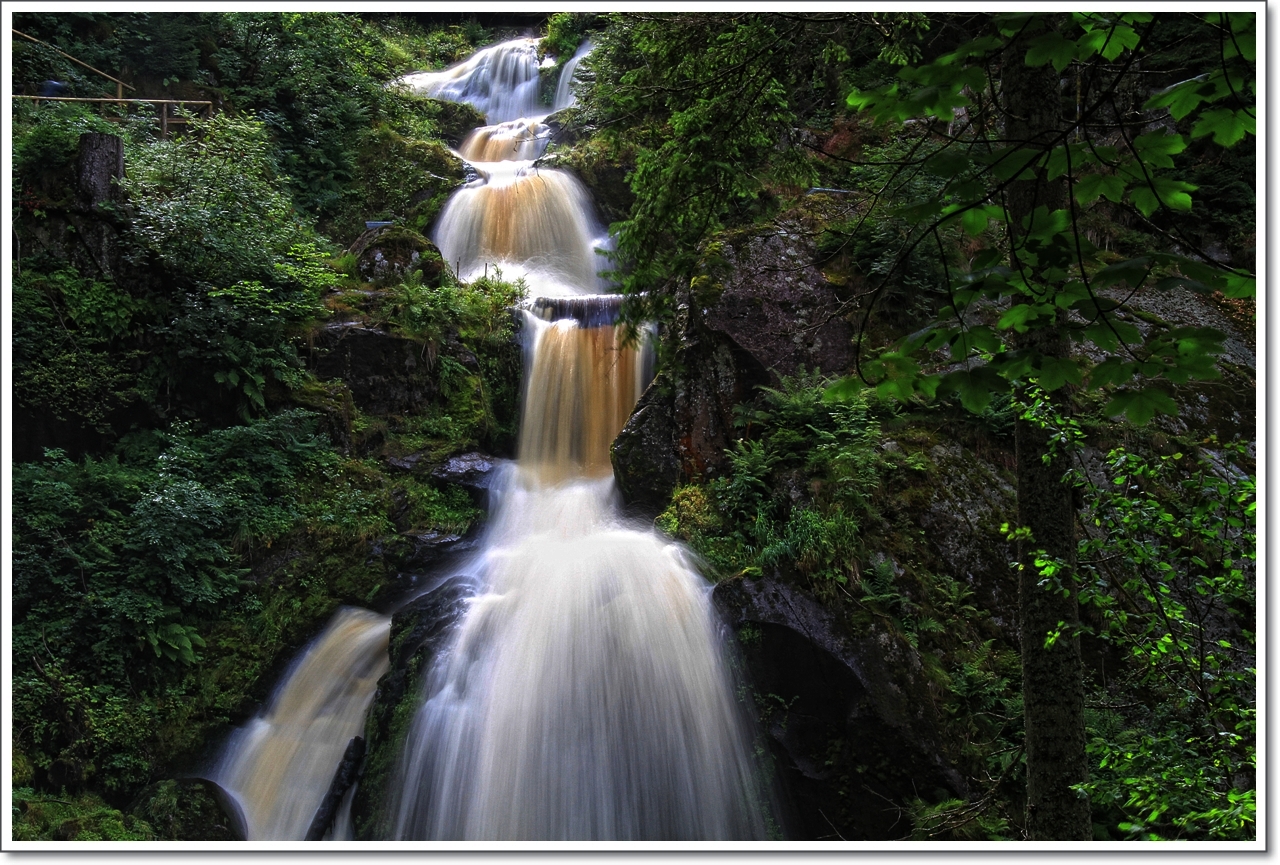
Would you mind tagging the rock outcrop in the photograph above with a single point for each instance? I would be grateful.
(848, 717)
(387, 374)
(189, 809)
(761, 311)
(419, 631)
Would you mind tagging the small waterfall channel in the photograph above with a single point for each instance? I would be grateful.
(586, 693)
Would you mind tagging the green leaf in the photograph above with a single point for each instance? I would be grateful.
(843, 390)
(1157, 149)
(1181, 98)
(1017, 316)
(1141, 405)
(974, 221)
(1240, 285)
(1226, 125)
(1011, 162)
(974, 386)
(1054, 372)
(1051, 47)
(1134, 272)
(1090, 187)
(1112, 371)
(947, 163)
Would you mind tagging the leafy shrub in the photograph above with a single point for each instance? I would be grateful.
(1168, 569)
(209, 207)
(67, 350)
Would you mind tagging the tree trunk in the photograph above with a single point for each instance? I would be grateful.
(1052, 678)
(99, 165)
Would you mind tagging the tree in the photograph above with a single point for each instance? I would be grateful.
(1018, 150)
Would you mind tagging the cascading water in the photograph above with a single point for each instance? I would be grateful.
(587, 694)
(280, 766)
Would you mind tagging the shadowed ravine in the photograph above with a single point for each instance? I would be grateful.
(587, 692)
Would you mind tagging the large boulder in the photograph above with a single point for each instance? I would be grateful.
(848, 716)
(644, 457)
(189, 809)
(387, 374)
(761, 310)
(765, 293)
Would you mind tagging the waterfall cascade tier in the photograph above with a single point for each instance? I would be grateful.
(279, 767)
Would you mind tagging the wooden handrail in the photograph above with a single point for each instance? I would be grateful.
(119, 83)
(113, 99)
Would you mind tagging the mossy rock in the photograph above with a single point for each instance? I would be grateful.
(188, 809)
(418, 632)
(403, 179)
(455, 120)
(38, 816)
(388, 254)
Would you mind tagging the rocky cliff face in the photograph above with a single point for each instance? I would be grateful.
(849, 720)
(760, 311)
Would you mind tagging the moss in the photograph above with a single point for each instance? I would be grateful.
(185, 810)
(397, 178)
(86, 817)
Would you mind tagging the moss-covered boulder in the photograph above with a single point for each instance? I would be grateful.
(390, 253)
(188, 809)
(454, 120)
(397, 178)
(419, 631)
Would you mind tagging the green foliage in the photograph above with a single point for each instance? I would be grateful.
(66, 345)
(795, 495)
(1043, 265)
(565, 32)
(481, 399)
(1169, 569)
(47, 137)
(397, 177)
(85, 817)
(705, 98)
(210, 209)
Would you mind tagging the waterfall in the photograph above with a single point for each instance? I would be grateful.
(500, 81)
(279, 767)
(586, 692)
(564, 90)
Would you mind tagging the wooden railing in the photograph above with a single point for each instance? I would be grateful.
(165, 119)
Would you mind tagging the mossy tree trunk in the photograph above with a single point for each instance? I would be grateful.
(1052, 676)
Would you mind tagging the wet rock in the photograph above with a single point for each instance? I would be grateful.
(431, 546)
(343, 778)
(848, 716)
(474, 472)
(189, 809)
(419, 631)
(644, 455)
(970, 500)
